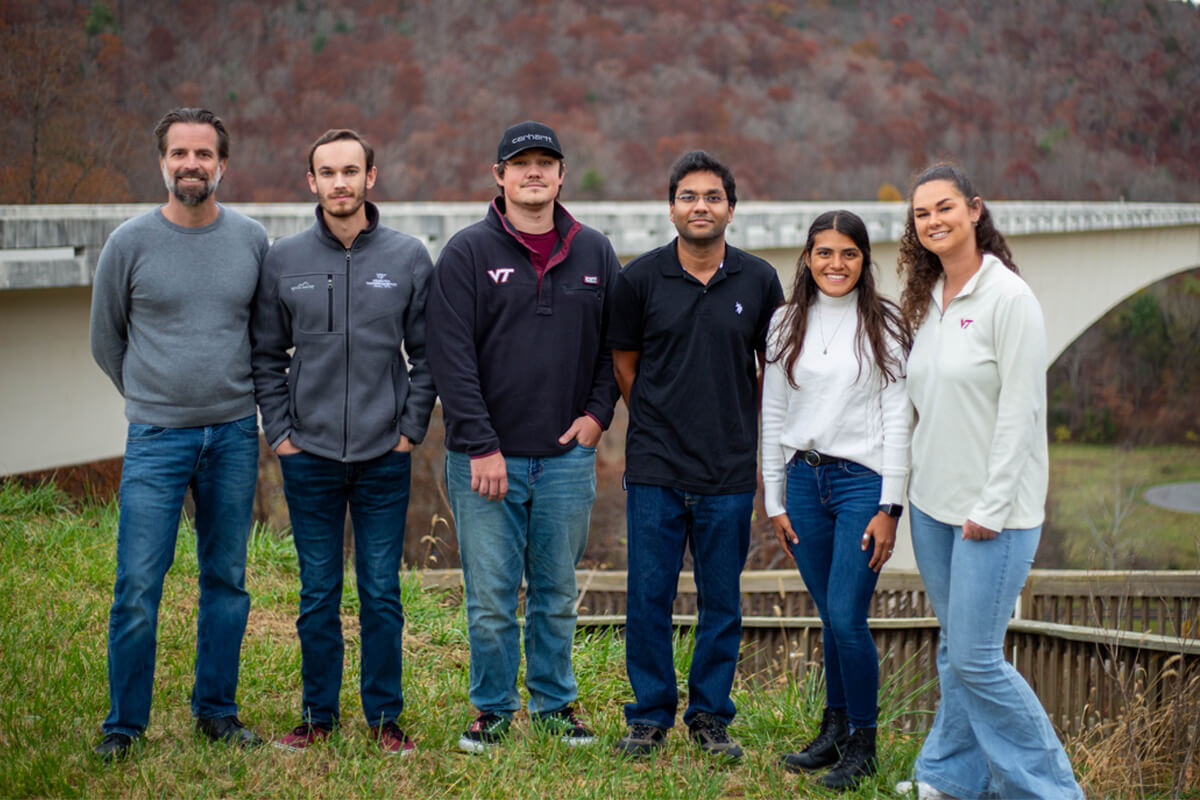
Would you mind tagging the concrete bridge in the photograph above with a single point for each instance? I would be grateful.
(59, 409)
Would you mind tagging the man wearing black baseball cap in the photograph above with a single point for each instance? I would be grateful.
(527, 136)
(517, 318)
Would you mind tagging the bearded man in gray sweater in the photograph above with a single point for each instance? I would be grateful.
(171, 327)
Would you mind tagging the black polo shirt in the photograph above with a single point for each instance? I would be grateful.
(693, 418)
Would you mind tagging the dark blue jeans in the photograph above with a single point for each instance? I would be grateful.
(662, 522)
(829, 507)
(318, 491)
(220, 464)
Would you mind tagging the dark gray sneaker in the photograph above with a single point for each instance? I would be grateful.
(487, 732)
(641, 740)
(113, 747)
(566, 726)
(713, 737)
(229, 730)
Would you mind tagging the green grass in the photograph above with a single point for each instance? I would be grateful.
(56, 569)
(1085, 480)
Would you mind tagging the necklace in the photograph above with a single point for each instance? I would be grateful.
(821, 329)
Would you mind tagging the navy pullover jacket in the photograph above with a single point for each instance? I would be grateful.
(516, 359)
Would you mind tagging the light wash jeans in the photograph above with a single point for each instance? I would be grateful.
(662, 522)
(220, 463)
(990, 737)
(318, 492)
(539, 531)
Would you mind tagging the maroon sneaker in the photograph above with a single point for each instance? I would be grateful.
(303, 735)
(392, 740)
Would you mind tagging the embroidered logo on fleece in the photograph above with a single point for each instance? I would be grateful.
(500, 274)
(591, 280)
(382, 282)
(964, 323)
(302, 285)
(737, 306)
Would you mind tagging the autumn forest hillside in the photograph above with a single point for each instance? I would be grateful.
(826, 99)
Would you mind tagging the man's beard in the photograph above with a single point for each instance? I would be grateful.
(191, 195)
(357, 201)
(715, 232)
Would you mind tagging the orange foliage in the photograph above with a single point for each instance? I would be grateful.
(780, 93)
(778, 86)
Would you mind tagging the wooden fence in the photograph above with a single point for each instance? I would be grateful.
(1089, 643)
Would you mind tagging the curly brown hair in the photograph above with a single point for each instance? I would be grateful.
(879, 319)
(920, 269)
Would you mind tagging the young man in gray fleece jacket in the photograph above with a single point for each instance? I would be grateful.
(171, 327)
(343, 411)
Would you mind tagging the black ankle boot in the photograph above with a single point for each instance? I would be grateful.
(857, 762)
(826, 748)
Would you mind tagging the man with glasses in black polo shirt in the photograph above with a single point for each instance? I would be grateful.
(688, 333)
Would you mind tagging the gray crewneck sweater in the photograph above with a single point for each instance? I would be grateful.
(171, 317)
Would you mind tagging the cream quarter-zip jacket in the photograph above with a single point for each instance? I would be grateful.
(977, 379)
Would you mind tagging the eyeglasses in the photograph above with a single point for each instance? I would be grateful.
(687, 198)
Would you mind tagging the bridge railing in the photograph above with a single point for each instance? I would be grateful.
(58, 245)
(1165, 602)
(1091, 644)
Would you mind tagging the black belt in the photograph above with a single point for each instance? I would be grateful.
(816, 459)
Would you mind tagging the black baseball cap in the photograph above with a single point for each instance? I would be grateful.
(526, 136)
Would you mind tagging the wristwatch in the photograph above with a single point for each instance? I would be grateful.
(892, 509)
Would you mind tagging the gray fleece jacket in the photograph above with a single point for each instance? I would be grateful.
(171, 317)
(345, 392)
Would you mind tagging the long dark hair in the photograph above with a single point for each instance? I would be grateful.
(878, 319)
(920, 269)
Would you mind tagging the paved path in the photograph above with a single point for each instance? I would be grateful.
(1175, 496)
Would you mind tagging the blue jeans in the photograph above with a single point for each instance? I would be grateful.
(220, 465)
(990, 736)
(318, 491)
(539, 531)
(661, 523)
(829, 507)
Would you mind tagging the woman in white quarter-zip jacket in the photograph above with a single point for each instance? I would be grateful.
(835, 436)
(977, 380)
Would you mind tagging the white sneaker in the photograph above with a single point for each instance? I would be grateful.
(924, 790)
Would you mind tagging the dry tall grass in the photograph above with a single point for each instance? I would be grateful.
(1153, 748)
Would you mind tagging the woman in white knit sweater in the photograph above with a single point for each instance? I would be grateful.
(977, 378)
(835, 437)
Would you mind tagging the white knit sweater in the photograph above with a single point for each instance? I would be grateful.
(835, 411)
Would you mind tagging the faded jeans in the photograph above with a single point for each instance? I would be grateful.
(538, 531)
(990, 737)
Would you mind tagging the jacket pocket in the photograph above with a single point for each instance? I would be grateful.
(395, 392)
(329, 305)
(399, 389)
(293, 383)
